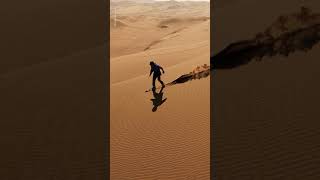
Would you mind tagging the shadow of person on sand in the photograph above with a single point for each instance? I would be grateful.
(157, 101)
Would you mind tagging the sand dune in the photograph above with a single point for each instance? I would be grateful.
(175, 21)
(265, 112)
(288, 34)
(303, 38)
(117, 24)
(40, 124)
(43, 28)
(53, 123)
(169, 50)
(152, 20)
(161, 134)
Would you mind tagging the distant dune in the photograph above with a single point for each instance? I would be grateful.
(157, 20)
(174, 21)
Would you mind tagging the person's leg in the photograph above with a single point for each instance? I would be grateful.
(154, 81)
(159, 79)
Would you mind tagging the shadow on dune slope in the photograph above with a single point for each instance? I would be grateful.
(198, 73)
(191, 76)
(288, 34)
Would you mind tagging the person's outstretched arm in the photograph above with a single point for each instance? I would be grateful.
(150, 72)
(162, 69)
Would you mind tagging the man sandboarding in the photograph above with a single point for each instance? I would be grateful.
(156, 70)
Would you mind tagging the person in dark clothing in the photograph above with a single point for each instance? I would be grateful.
(156, 70)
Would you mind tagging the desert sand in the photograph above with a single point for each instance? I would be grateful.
(172, 142)
(265, 113)
(53, 90)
